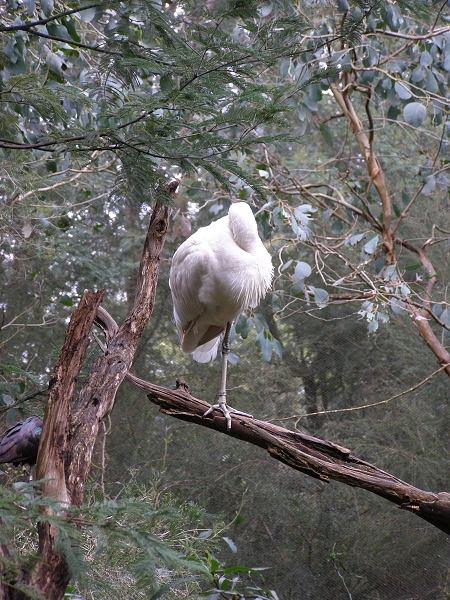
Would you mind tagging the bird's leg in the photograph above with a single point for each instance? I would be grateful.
(225, 353)
(222, 404)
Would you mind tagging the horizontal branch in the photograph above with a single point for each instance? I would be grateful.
(316, 458)
(414, 38)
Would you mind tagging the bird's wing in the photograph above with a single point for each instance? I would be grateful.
(19, 443)
(207, 352)
(189, 265)
(8, 443)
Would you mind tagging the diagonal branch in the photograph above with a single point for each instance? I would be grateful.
(421, 315)
(71, 425)
(96, 397)
(54, 440)
(375, 172)
(317, 458)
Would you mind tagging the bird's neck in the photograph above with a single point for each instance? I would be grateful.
(244, 233)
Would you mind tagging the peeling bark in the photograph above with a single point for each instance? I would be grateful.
(71, 426)
(96, 398)
(313, 456)
(316, 458)
(51, 573)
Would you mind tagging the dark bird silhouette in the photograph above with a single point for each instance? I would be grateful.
(19, 444)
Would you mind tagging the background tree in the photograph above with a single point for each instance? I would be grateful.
(118, 98)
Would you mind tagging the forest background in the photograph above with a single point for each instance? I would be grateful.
(331, 120)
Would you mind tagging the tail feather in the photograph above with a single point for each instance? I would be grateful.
(206, 352)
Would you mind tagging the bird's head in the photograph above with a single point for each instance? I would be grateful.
(242, 224)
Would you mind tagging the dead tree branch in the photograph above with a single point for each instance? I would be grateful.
(96, 398)
(317, 458)
(52, 567)
(375, 172)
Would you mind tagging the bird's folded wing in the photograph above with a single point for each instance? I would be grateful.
(189, 265)
(8, 450)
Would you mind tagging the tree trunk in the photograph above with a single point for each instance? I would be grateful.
(70, 427)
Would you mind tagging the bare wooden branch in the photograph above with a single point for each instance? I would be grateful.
(375, 172)
(317, 458)
(421, 316)
(71, 426)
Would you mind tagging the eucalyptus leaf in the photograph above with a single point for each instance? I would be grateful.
(397, 306)
(265, 345)
(278, 348)
(414, 113)
(243, 325)
(354, 239)
(426, 59)
(327, 135)
(430, 184)
(88, 14)
(370, 246)
(302, 270)
(437, 309)
(321, 296)
(286, 265)
(233, 359)
(373, 325)
(445, 318)
(230, 543)
(47, 7)
(403, 90)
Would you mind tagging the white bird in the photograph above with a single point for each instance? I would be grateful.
(218, 272)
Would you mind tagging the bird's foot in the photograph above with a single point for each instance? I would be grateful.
(226, 410)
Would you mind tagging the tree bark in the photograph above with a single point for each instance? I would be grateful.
(96, 398)
(70, 427)
(51, 573)
(317, 458)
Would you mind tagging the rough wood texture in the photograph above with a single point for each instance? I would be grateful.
(314, 457)
(96, 398)
(50, 574)
(70, 427)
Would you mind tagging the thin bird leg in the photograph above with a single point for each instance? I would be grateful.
(222, 404)
(225, 353)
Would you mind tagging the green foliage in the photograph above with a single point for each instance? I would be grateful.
(233, 98)
(174, 90)
(228, 583)
(160, 548)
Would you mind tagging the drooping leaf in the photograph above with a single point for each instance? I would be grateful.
(47, 7)
(397, 306)
(327, 135)
(430, 184)
(403, 90)
(230, 543)
(302, 270)
(370, 246)
(445, 318)
(321, 296)
(265, 345)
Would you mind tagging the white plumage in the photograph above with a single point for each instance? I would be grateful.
(218, 272)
